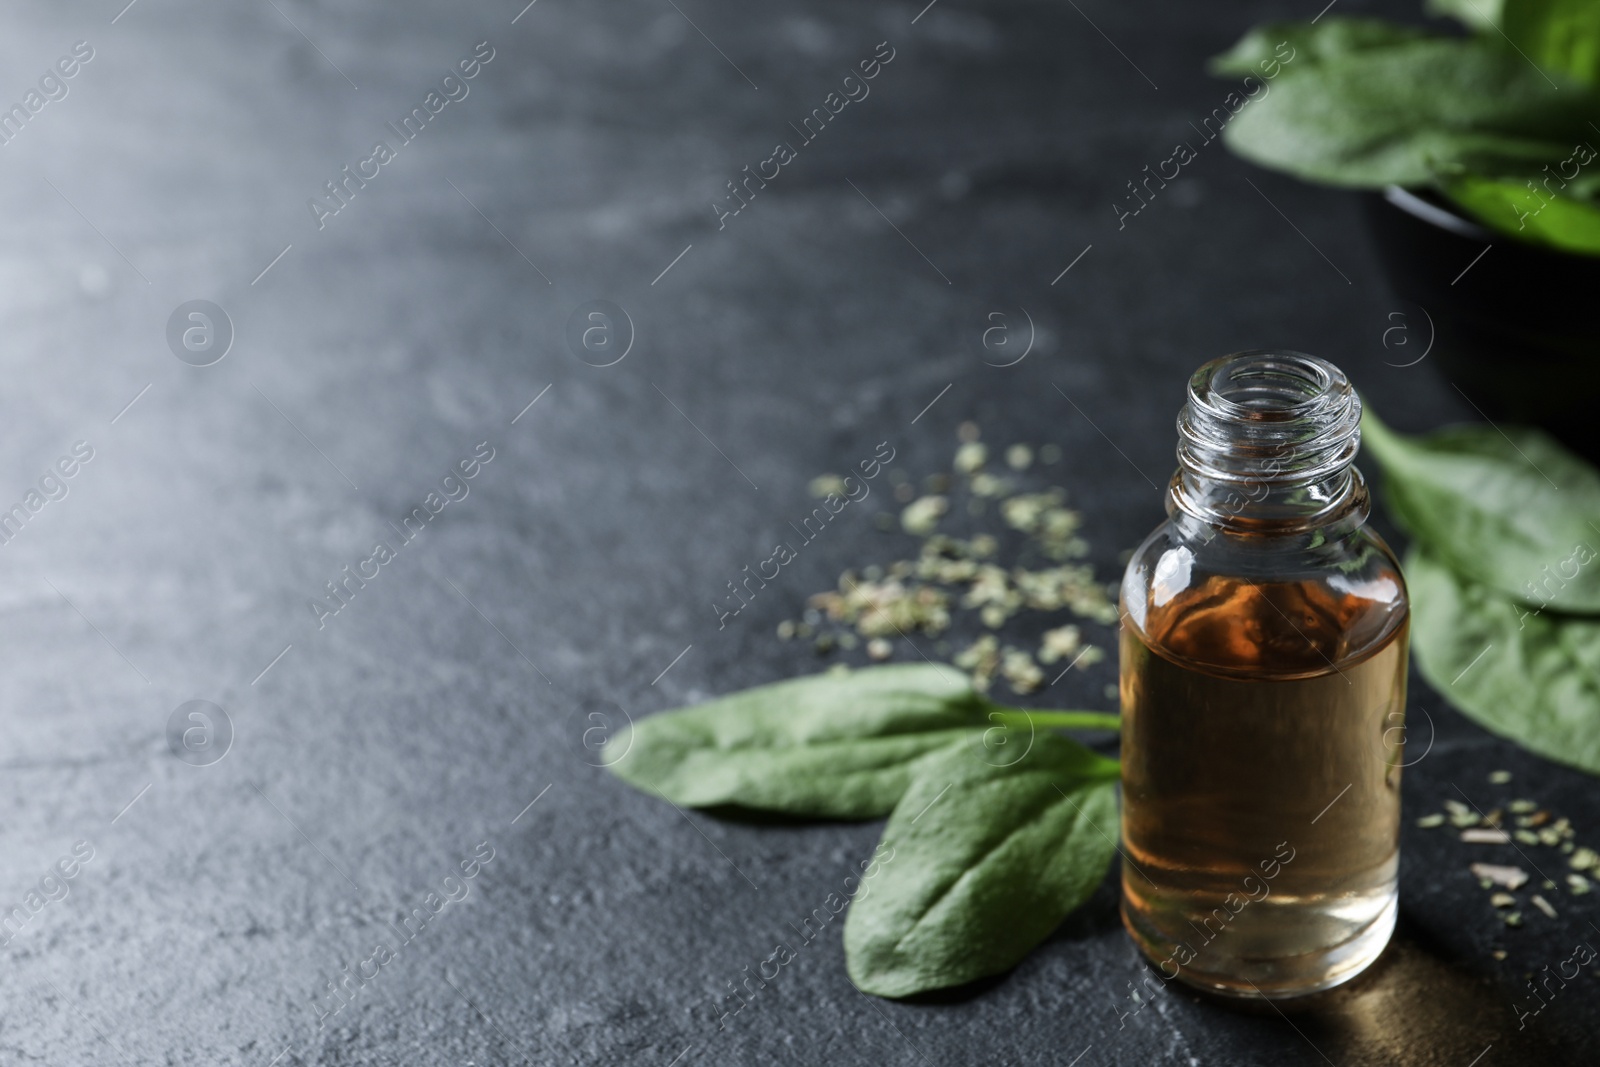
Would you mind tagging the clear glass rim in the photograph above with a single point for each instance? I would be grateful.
(1267, 437)
(1282, 385)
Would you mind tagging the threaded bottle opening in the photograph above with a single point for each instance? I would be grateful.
(1268, 437)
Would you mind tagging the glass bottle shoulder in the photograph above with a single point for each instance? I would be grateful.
(1254, 606)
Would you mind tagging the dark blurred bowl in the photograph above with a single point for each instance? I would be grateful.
(1517, 331)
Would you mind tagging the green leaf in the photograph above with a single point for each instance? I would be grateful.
(1403, 113)
(1505, 506)
(1508, 205)
(833, 745)
(986, 861)
(1559, 35)
(1482, 15)
(1526, 675)
(1296, 45)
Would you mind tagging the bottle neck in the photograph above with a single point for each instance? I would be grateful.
(1266, 445)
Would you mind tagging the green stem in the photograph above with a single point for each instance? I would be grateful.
(1071, 720)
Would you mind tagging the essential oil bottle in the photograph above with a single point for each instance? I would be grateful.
(1263, 688)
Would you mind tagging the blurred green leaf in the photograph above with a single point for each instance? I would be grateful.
(1528, 676)
(1483, 15)
(1508, 205)
(1402, 113)
(1560, 35)
(1505, 506)
(1297, 45)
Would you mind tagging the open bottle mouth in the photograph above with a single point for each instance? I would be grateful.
(1265, 385)
(1267, 437)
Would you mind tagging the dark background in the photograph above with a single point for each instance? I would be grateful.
(457, 686)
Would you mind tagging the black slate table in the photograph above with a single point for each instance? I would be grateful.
(247, 852)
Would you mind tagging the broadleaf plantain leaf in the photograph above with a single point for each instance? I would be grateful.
(983, 862)
(835, 745)
(1505, 506)
(1532, 677)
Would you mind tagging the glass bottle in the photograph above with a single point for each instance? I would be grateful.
(1263, 687)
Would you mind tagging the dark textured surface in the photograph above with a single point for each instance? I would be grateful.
(455, 688)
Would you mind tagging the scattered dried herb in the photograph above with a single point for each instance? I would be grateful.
(1538, 827)
(952, 575)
